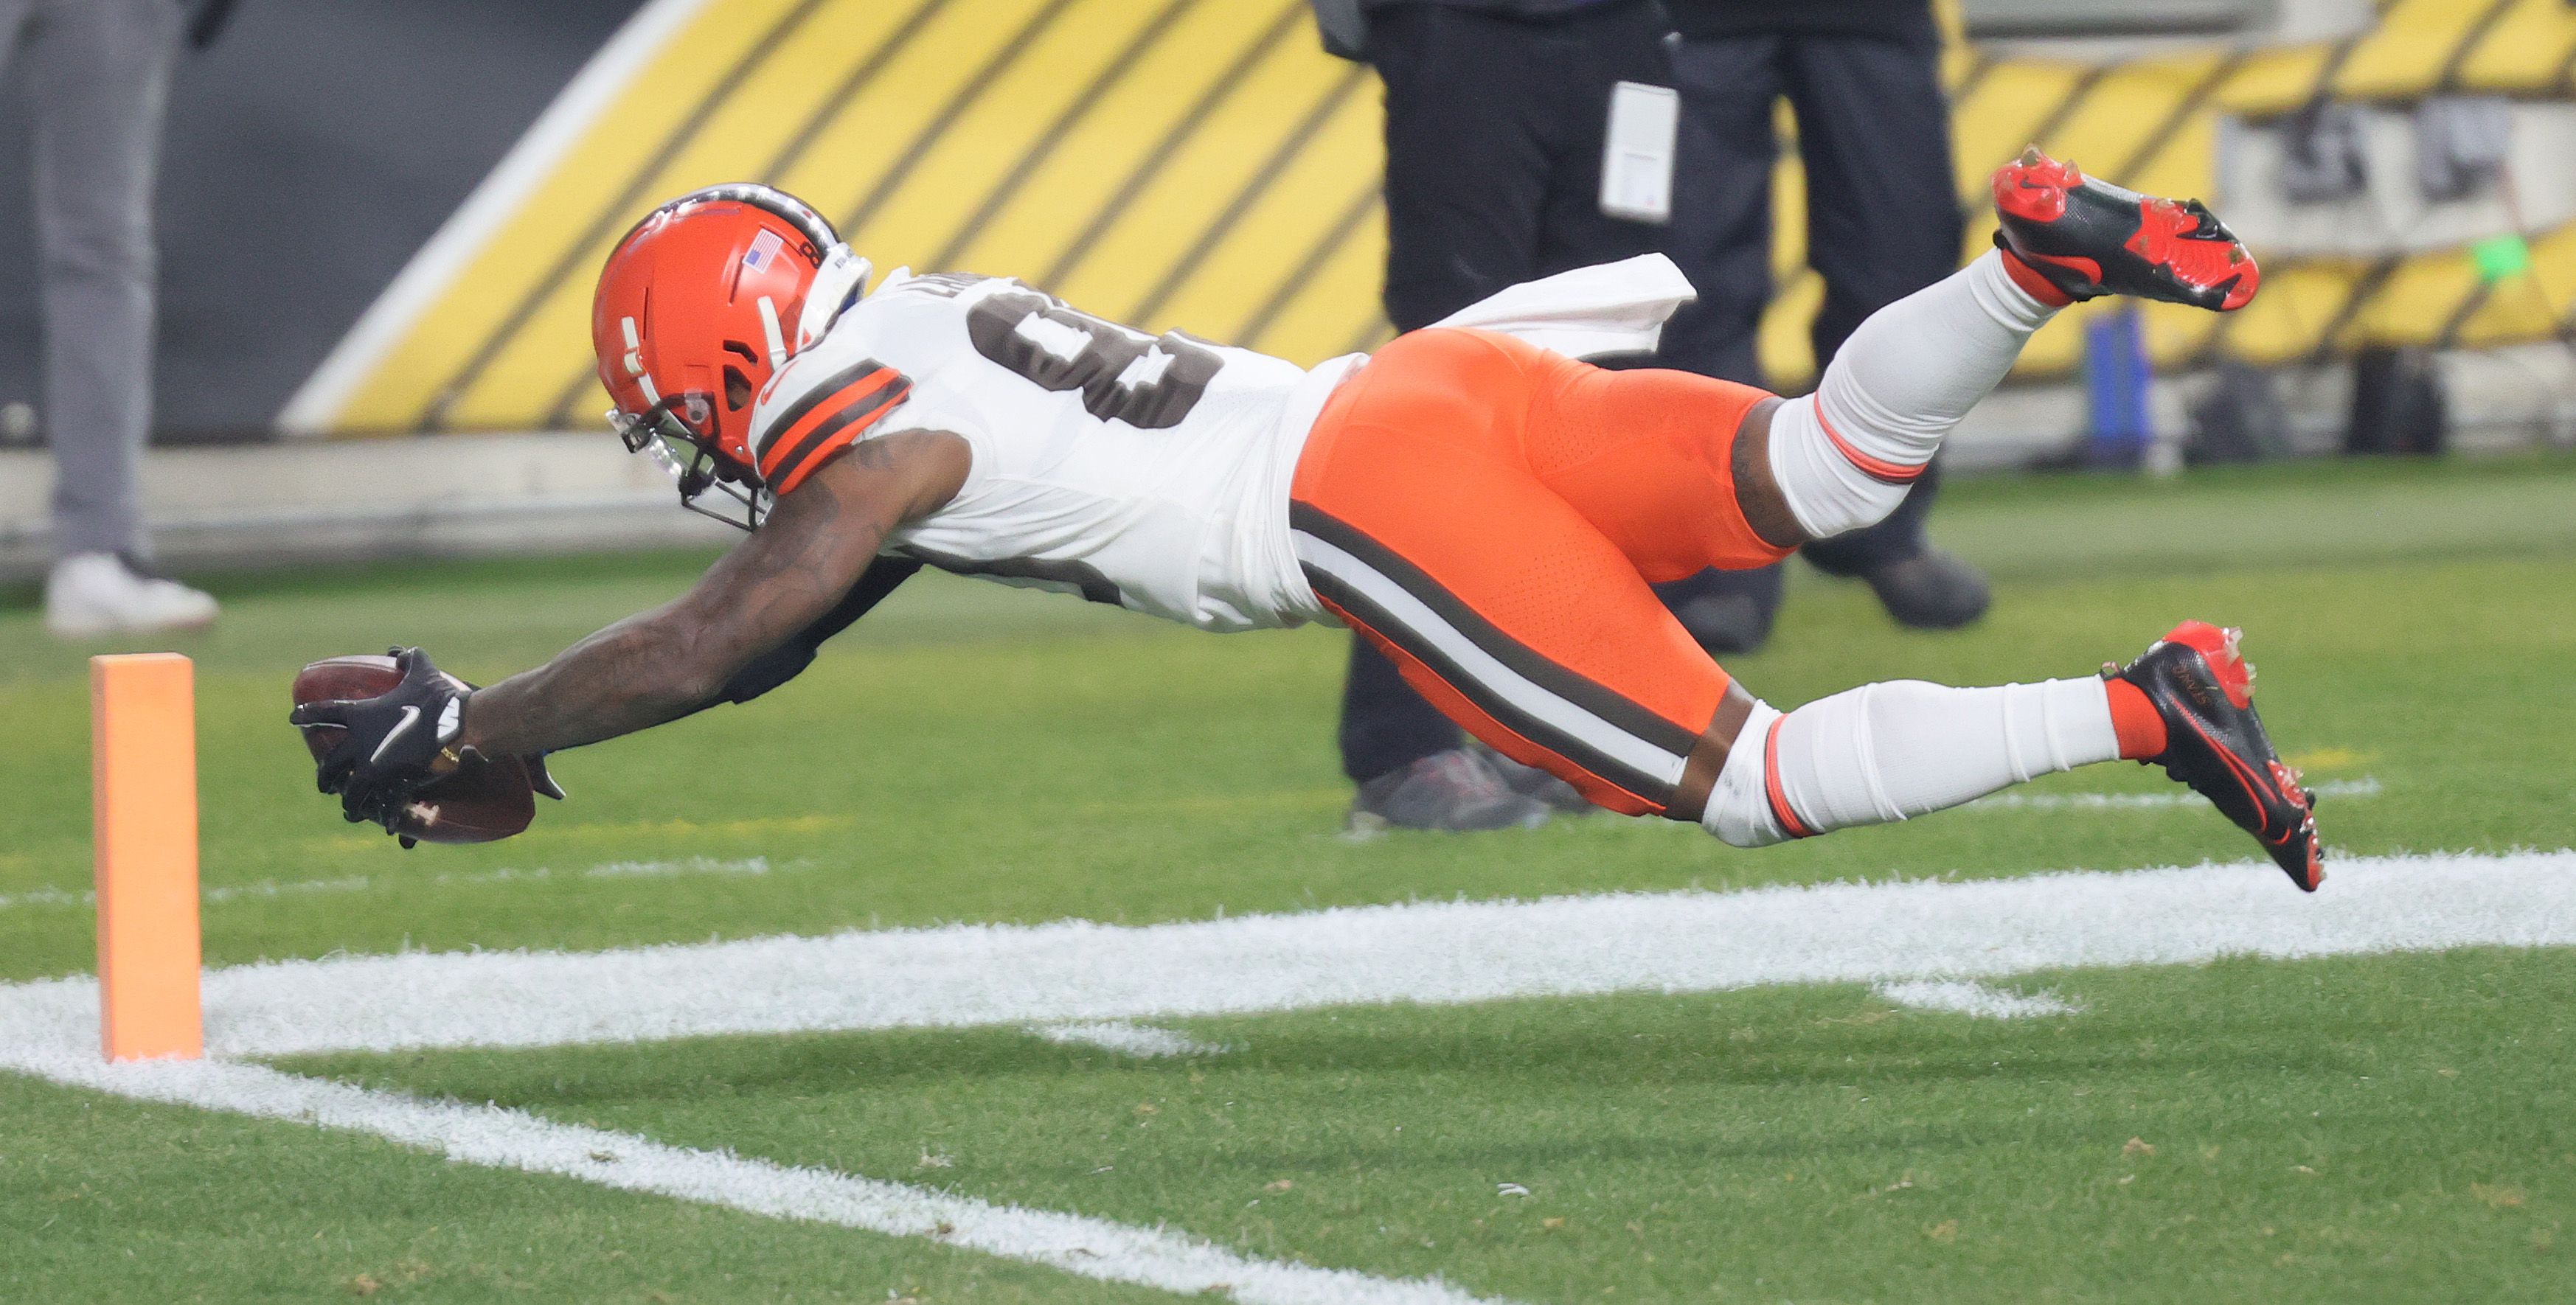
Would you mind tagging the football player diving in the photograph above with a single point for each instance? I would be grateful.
(1479, 503)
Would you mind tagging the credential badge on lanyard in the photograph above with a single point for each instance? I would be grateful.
(1637, 152)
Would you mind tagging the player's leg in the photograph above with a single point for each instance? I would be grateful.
(1845, 456)
(1895, 750)
(1488, 515)
(1662, 463)
(1654, 458)
(1656, 462)
(1421, 524)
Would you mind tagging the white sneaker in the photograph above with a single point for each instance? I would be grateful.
(93, 595)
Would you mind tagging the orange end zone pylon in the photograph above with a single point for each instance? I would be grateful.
(143, 796)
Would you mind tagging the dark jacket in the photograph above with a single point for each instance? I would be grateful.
(1905, 20)
(1344, 23)
(1512, 8)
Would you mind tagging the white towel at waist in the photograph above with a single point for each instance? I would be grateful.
(1586, 312)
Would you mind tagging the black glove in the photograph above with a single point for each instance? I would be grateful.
(389, 742)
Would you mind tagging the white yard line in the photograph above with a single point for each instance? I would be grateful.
(510, 1139)
(1961, 997)
(1897, 935)
(267, 889)
(1430, 952)
(46, 897)
(1142, 1040)
(695, 865)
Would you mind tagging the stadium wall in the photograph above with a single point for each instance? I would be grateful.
(407, 247)
(310, 152)
(1203, 166)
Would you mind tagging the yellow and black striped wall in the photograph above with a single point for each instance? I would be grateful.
(1203, 165)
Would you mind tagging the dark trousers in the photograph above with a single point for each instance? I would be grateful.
(1883, 221)
(1493, 177)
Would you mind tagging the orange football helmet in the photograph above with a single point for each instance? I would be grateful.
(698, 305)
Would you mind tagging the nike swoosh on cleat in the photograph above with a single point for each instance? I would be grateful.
(2244, 776)
(411, 717)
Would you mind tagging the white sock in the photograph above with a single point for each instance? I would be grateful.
(1739, 808)
(1898, 749)
(1845, 455)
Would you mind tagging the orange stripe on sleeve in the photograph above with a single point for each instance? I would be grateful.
(830, 426)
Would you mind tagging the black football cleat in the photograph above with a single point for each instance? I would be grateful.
(2214, 742)
(2089, 238)
(1935, 589)
(1453, 790)
(1533, 783)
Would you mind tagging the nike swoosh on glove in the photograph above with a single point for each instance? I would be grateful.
(390, 742)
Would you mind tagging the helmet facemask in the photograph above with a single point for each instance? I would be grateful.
(665, 434)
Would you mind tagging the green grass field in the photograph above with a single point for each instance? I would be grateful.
(2384, 1128)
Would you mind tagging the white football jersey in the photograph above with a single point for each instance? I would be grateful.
(1147, 471)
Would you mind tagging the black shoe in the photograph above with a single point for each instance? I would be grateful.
(1534, 783)
(1932, 590)
(2215, 742)
(1726, 624)
(2089, 238)
(1452, 790)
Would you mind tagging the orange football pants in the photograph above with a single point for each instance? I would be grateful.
(1489, 514)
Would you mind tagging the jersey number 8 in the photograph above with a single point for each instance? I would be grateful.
(1149, 382)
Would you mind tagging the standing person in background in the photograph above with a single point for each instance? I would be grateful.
(1496, 113)
(1883, 221)
(96, 76)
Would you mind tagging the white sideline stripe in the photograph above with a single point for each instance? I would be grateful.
(510, 1139)
(265, 889)
(315, 406)
(1958, 996)
(1434, 953)
(1128, 1039)
(47, 897)
(2366, 786)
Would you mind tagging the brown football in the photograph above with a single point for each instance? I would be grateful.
(484, 800)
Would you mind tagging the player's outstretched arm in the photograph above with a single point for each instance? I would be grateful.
(668, 662)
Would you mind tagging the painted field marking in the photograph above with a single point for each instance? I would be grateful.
(510, 1139)
(2367, 786)
(1141, 1040)
(268, 889)
(48, 897)
(1448, 952)
(1432, 953)
(1962, 997)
